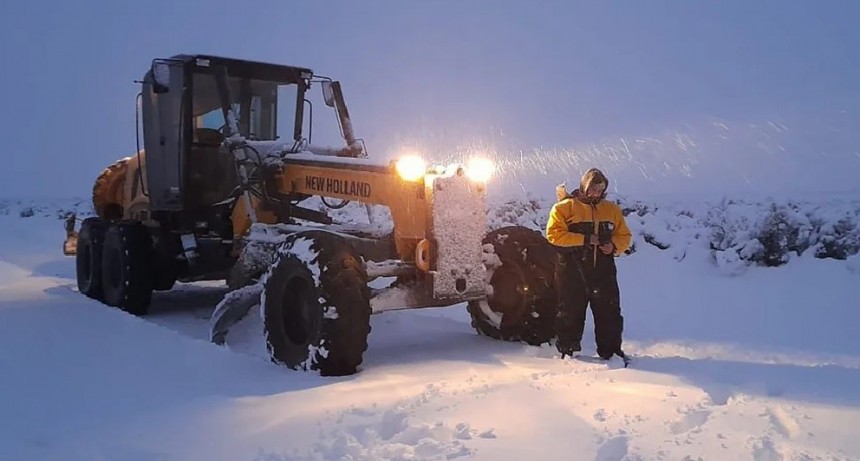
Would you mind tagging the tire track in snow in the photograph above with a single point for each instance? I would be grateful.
(782, 422)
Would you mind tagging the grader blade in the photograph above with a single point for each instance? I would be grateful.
(233, 308)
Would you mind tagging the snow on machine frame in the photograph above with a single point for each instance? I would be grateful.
(216, 192)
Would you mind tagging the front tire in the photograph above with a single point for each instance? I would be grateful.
(316, 305)
(126, 267)
(522, 306)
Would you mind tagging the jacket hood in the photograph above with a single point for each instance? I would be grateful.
(593, 176)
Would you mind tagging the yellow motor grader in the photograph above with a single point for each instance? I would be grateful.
(217, 192)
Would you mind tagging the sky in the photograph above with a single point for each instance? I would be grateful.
(762, 89)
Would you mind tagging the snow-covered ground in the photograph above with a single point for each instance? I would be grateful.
(733, 359)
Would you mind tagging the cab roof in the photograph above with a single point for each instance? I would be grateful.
(242, 68)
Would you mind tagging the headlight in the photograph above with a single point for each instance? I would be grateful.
(480, 169)
(411, 167)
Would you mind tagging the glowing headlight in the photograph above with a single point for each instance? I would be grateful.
(480, 169)
(411, 167)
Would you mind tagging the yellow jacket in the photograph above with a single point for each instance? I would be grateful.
(571, 211)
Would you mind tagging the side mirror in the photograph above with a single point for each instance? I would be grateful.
(160, 77)
(328, 93)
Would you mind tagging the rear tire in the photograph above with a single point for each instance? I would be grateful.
(88, 259)
(523, 303)
(316, 305)
(126, 267)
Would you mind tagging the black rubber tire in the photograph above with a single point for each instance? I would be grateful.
(126, 267)
(524, 291)
(88, 259)
(316, 309)
(164, 265)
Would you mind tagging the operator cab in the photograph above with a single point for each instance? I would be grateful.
(185, 103)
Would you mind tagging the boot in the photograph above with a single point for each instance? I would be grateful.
(569, 350)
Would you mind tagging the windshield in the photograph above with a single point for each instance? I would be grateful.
(265, 110)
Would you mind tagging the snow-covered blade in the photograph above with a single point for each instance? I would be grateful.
(458, 224)
(233, 308)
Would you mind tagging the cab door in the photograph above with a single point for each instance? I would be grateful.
(161, 103)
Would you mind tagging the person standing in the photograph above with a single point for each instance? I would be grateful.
(588, 232)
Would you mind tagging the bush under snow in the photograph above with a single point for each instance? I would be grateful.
(60, 208)
(734, 233)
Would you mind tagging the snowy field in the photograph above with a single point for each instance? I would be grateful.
(745, 347)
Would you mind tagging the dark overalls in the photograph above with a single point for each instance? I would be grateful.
(585, 275)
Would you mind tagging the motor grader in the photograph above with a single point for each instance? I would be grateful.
(219, 191)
